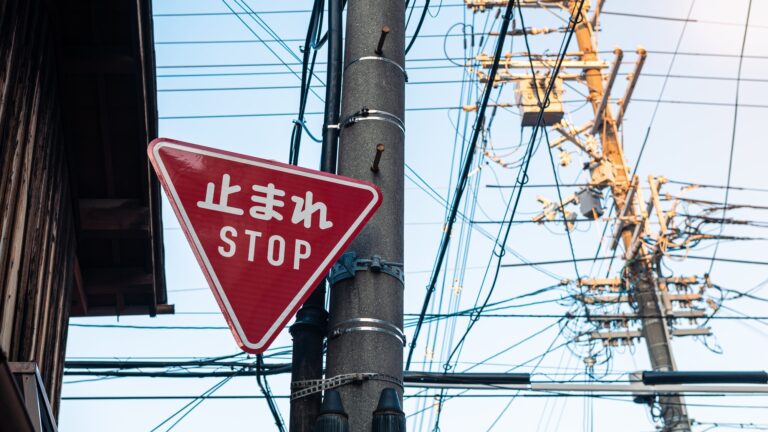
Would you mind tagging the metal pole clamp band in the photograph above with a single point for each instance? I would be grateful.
(366, 114)
(383, 59)
(367, 324)
(349, 264)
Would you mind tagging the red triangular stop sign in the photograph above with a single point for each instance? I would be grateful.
(264, 233)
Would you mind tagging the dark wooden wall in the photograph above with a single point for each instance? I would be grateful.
(37, 236)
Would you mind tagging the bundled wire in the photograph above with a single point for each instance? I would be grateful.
(463, 178)
(312, 43)
(418, 26)
(194, 403)
(523, 173)
(733, 130)
(261, 380)
(546, 135)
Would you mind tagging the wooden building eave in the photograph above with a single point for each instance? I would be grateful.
(106, 73)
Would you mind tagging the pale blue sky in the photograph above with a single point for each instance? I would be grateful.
(686, 143)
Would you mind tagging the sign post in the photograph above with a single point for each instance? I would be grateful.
(264, 233)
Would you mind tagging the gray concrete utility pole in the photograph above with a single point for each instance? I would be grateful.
(640, 272)
(366, 310)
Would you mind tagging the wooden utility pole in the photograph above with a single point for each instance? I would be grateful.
(365, 336)
(640, 269)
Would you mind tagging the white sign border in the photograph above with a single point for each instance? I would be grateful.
(161, 143)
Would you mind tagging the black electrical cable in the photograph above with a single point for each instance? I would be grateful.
(436, 108)
(414, 68)
(471, 311)
(718, 205)
(306, 79)
(739, 294)
(524, 170)
(409, 83)
(432, 193)
(410, 6)
(308, 342)
(462, 394)
(540, 357)
(330, 139)
(261, 380)
(153, 364)
(546, 136)
(462, 181)
(536, 366)
(733, 130)
(194, 402)
(264, 43)
(572, 316)
(456, 5)
(711, 186)
(418, 26)
(658, 101)
(648, 130)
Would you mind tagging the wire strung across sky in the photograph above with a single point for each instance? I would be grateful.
(546, 136)
(463, 177)
(416, 68)
(489, 311)
(522, 179)
(733, 132)
(263, 42)
(446, 108)
(454, 5)
(311, 45)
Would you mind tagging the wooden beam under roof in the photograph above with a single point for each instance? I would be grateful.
(97, 278)
(109, 218)
(79, 288)
(83, 60)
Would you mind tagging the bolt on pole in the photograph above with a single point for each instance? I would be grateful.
(366, 311)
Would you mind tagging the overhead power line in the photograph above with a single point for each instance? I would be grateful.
(418, 27)
(441, 36)
(733, 133)
(711, 186)
(441, 108)
(311, 45)
(522, 178)
(144, 364)
(463, 176)
(416, 68)
(456, 5)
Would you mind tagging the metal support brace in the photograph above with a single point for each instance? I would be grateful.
(349, 264)
(308, 387)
